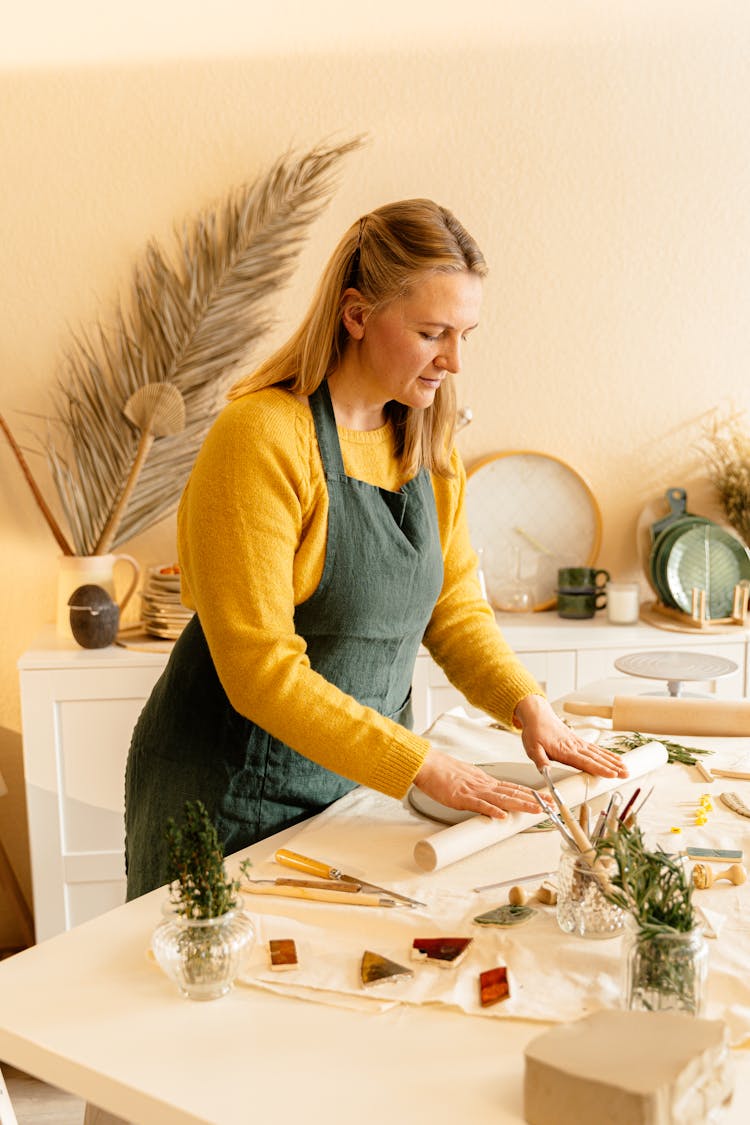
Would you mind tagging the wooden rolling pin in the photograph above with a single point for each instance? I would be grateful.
(656, 715)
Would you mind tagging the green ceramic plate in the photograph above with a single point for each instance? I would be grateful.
(660, 552)
(711, 559)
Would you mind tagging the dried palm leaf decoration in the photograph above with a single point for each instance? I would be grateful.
(121, 446)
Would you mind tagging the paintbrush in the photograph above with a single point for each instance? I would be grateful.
(623, 815)
(634, 812)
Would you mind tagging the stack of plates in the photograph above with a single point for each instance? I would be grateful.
(163, 613)
(691, 552)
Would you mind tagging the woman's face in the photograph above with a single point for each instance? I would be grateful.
(407, 348)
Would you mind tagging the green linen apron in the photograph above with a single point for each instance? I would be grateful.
(363, 625)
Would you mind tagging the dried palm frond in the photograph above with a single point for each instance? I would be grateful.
(190, 323)
(727, 447)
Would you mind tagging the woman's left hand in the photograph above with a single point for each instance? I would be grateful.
(546, 738)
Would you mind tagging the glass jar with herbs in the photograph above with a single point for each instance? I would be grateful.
(666, 960)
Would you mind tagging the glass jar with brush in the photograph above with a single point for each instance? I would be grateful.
(582, 906)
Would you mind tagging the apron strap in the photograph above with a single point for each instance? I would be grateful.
(325, 428)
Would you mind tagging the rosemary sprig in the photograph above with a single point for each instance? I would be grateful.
(676, 752)
(652, 886)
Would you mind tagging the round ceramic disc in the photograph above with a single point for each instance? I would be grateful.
(538, 505)
(522, 773)
(675, 665)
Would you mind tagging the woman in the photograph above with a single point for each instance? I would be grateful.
(322, 539)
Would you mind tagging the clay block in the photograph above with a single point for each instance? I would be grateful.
(283, 953)
(628, 1068)
(493, 986)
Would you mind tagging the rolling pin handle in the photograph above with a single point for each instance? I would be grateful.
(602, 711)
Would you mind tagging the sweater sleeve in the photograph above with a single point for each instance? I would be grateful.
(242, 520)
(462, 635)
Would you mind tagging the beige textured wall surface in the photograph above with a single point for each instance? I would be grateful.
(599, 152)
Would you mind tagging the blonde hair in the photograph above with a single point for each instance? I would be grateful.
(382, 255)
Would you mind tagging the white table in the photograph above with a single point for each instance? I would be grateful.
(87, 1012)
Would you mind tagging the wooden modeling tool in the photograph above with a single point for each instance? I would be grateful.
(735, 803)
(705, 774)
(704, 876)
(323, 871)
(312, 894)
(737, 774)
(582, 841)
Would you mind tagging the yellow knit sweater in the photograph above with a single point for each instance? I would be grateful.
(252, 537)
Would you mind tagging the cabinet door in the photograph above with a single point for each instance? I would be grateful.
(77, 727)
(599, 664)
(433, 693)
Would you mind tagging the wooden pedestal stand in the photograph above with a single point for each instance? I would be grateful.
(697, 618)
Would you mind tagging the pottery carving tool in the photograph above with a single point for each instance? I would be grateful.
(582, 841)
(316, 884)
(729, 717)
(556, 819)
(739, 775)
(716, 855)
(735, 803)
(705, 774)
(347, 898)
(323, 871)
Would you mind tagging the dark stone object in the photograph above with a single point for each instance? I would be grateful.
(94, 617)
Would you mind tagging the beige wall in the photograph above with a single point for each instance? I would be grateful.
(600, 152)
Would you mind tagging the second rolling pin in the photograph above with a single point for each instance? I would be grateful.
(730, 717)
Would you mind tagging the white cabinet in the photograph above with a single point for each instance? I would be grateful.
(433, 693)
(79, 708)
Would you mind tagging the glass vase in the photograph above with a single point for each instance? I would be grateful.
(203, 956)
(582, 908)
(665, 970)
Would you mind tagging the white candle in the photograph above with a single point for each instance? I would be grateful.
(623, 602)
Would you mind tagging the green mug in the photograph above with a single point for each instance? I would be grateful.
(581, 604)
(580, 579)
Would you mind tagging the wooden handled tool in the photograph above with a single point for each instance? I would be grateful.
(730, 717)
(323, 871)
(344, 898)
(704, 876)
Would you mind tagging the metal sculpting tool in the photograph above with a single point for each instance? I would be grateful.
(572, 825)
(519, 879)
(557, 821)
(323, 871)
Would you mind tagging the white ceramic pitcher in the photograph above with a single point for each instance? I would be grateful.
(95, 570)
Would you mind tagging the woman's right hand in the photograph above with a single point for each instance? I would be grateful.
(459, 785)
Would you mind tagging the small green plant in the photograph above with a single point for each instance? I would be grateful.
(652, 886)
(665, 968)
(199, 887)
(676, 752)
